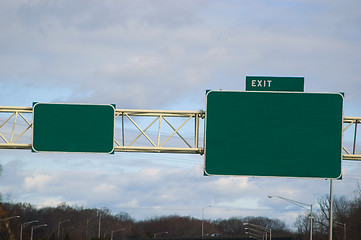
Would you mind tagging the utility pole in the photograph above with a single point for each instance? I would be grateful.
(100, 217)
(331, 209)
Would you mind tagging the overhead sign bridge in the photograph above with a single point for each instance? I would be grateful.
(16, 125)
(134, 130)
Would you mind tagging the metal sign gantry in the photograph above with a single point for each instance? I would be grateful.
(16, 133)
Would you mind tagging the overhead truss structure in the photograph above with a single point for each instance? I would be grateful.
(350, 142)
(135, 130)
(160, 120)
(16, 133)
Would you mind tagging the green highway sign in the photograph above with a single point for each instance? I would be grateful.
(262, 83)
(281, 134)
(73, 128)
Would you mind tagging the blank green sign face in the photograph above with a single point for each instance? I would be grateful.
(73, 128)
(279, 134)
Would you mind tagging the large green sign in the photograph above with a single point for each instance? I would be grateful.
(73, 128)
(262, 83)
(279, 134)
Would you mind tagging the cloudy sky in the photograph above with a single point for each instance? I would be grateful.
(164, 55)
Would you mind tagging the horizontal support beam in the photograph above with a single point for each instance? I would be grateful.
(132, 112)
(155, 150)
(138, 112)
(16, 109)
(351, 119)
(15, 146)
(122, 149)
(352, 157)
(159, 149)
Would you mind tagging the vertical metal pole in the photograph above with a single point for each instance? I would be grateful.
(270, 234)
(354, 139)
(123, 134)
(21, 232)
(344, 231)
(202, 221)
(311, 223)
(331, 210)
(100, 217)
(160, 124)
(59, 230)
(196, 131)
(32, 232)
(86, 230)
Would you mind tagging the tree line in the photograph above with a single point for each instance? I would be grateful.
(346, 219)
(77, 223)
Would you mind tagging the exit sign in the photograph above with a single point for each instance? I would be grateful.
(262, 83)
(281, 134)
(81, 128)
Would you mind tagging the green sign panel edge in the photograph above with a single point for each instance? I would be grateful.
(340, 118)
(109, 109)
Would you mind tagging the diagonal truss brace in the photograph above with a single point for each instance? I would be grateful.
(158, 145)
(11, 141)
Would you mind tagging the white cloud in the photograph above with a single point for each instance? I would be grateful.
(103, 54)
(104, 189)
(115, 62)
(50, 202)
(37, 182)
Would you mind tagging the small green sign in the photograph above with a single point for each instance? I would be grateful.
(262, 83)
(73, 128)
(281, 134)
